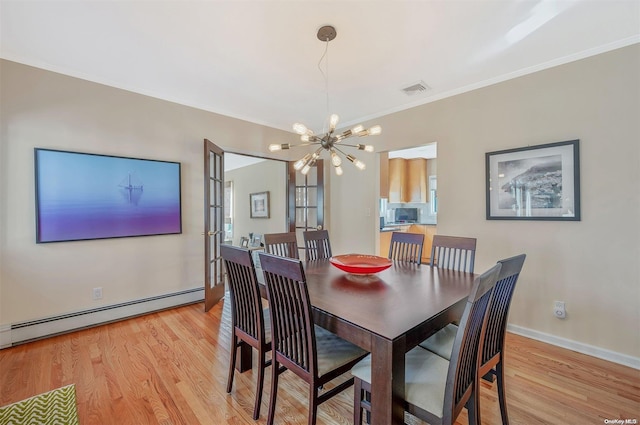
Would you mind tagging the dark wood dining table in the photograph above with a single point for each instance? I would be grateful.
(387, 314)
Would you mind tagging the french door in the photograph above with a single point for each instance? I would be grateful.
(306, 201)
(213, 223)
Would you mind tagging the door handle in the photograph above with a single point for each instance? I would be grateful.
(210, 233)
(319, 227)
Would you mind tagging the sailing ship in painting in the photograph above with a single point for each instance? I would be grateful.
(131, 188)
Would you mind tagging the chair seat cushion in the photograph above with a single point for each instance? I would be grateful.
(425, 379)
(442, 341)
(334, 351)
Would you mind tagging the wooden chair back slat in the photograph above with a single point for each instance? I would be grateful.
(453, 252)
(406, 247)
(281, 244)
(316, 244)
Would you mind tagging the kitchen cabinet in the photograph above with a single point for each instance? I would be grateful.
(408, 180)
(397, 179)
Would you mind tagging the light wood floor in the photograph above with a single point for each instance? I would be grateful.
(170, 368)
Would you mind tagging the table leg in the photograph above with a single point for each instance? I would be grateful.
(244, 362)
(387, 381)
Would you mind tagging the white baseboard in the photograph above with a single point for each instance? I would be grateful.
(601, 353)
(5, 336)
(18, 333)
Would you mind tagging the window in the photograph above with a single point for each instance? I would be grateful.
(228, 211)
(433, 194)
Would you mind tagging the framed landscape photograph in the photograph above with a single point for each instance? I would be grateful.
(259, 205)
(539, 182)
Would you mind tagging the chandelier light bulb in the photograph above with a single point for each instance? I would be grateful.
(338, 170)
(366, 148)
(304, 137)
(305, 169)
(300, 128)
(357, 129)
(335, 159)
(301, 162)
(333, 122)
(375, 130)
(359, 164)
(278, 147)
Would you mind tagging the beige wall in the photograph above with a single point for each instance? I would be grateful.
(264, 176)
(49, 110)
(593, 265)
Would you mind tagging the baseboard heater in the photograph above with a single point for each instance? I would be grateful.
(20, 333)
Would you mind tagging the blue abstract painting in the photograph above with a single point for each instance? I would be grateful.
(83, 196)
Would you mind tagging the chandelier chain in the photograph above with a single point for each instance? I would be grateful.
(325, 76)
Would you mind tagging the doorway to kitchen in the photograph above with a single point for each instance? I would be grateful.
(408, 194)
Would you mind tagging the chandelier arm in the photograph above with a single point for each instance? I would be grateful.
(304, 144)
(346, 135)
(351, 146)
(336, 148)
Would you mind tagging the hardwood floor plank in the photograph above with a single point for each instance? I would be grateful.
(171, 368)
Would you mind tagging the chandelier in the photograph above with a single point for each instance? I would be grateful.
(329, 141)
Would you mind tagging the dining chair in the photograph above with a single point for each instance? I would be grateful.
(436, 390)
(406, 247)
(316, 244)
(311, 352)
(453, 252)
(249, 320)
(491, 360)
(282, 244)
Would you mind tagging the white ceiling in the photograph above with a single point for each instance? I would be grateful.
(258, 60)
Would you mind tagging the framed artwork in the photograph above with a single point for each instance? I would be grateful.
(539, 182)
(84, 196)
(259, 205)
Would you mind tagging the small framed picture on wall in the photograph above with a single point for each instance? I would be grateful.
(259, 205)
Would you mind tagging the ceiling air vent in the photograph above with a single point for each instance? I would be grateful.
(416, 88)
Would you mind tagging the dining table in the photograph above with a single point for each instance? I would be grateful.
(387, 314)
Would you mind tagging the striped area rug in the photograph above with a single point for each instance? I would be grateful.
(56, 407)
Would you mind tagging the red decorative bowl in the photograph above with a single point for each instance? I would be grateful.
(360, 263)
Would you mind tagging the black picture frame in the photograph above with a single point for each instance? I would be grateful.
(87, 196)
(540, 182)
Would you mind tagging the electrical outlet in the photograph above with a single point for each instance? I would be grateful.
(559, 310)
(97, 293)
